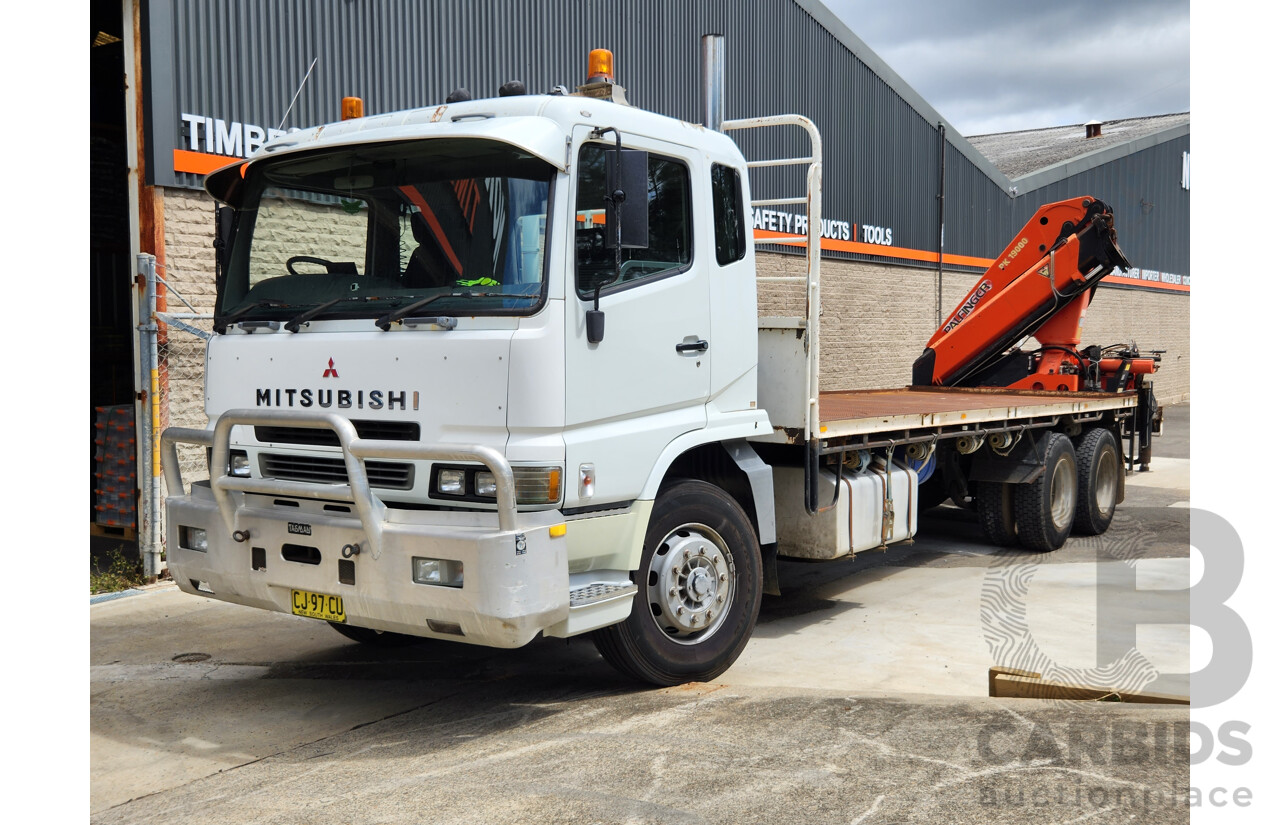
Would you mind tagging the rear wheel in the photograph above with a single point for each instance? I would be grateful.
(1099, 485)
(698, 594)
(994, 504)
(1046, 508)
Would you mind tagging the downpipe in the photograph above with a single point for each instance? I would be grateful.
(151, 532)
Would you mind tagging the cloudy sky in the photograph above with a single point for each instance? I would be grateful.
(1008, 65)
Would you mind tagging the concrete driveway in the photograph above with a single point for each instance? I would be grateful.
(861, 698)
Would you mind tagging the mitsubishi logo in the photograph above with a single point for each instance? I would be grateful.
(331, 372)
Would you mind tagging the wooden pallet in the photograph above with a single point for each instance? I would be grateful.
(106, 531)
(1011, 683)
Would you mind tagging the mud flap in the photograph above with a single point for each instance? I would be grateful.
(1023, 464)
(769, 565)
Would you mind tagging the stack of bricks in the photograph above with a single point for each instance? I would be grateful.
(115, 471)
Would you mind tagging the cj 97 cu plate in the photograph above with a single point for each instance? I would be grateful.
(317, 606)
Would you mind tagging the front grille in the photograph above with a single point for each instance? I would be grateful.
(324, 437)
(386, 474)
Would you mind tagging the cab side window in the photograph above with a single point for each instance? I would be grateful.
(670, 247)
(726, 202)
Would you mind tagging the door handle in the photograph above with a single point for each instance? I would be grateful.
(696, 346)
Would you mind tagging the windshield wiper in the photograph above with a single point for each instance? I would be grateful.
(384, 323)
(220, 324)
(304, 317)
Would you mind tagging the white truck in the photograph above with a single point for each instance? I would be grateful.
(421, 425)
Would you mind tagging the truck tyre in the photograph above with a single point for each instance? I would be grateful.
(375, 638)
(1099, 466)
(1045, 508)
(698, 595)
(993, 501)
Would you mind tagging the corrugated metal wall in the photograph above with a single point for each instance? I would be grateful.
(242, 60)
(1153, 211)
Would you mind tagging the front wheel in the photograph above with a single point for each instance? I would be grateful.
(698, 595)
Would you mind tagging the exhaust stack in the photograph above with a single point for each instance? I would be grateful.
(713, 81)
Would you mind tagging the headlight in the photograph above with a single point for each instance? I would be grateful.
(533, 485)
(452, 482)
(237, 463)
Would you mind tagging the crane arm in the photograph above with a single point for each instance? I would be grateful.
(1040, 285)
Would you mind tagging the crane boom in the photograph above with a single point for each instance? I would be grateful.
(1040, 285)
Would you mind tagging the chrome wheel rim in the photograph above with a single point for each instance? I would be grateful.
(1062, 495)
(691, 583)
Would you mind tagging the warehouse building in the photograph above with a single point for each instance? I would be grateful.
(912, 210)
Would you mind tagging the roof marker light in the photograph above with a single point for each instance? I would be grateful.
(600, 66)
(601, 83)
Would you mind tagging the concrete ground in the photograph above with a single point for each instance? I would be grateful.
(861, 698)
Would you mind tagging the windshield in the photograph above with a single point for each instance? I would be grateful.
(360, 231)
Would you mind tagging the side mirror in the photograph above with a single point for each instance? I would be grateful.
(595, 325)
(626, 219)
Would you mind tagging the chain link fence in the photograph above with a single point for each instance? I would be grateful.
(171, 351)
(181, 350)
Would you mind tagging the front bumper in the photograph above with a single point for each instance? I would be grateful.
(515, 584)
(268, 537)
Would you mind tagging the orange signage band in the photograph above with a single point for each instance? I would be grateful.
(831, 245)
(200, 163)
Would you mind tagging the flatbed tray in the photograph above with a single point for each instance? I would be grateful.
(864, 412)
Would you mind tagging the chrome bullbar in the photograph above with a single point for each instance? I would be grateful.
(355, 450)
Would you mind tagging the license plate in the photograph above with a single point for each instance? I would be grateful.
(318, 606)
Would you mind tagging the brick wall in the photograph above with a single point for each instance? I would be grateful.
(877, 318)
(189, 271)
(1153, 321)
(285, 228)
(188, 240)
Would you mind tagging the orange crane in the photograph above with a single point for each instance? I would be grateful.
(1040, 285)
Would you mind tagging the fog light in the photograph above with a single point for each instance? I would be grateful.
(442, 572)
(193, 538)
(452, 482)
(486, 484)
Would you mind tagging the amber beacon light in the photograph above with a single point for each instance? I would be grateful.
(352, 107)
(600, 66)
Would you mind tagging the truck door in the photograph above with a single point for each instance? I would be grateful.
(648, 380)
